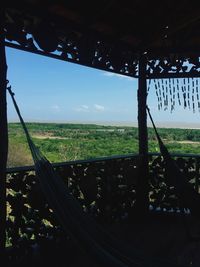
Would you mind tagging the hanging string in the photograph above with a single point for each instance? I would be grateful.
(184, 92)
(170, 91)
(163, 93)
(173, 97)
(178, 92)
(197, 93)
(188, 93)
(156, 89)
(193, 103)
(160, 94)
(148, 86)
(166, 100)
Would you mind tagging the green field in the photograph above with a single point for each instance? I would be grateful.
(63, 142)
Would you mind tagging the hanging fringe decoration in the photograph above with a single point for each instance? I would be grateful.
(163, 92)
(193, 104)
(170, 92)
(197, 93)
(188, 93)
(178, 92)
(160, 94)
(184, 91)
(148, 86)
(156, 89)
(166, 99)
(174, 94)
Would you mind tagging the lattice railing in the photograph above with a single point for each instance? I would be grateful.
(106, 188)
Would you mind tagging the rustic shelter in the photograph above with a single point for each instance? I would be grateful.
(148, 40)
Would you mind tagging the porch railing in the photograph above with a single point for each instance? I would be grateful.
(105, 187)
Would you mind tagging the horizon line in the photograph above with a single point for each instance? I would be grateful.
(167, 124)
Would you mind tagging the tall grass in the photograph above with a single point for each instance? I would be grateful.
(18, 154)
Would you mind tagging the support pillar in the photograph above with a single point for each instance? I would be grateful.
(3, 137)
(142, 200)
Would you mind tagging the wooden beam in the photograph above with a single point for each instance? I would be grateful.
(190, 74)
(142, 201)
(55, 56)
(3, 137)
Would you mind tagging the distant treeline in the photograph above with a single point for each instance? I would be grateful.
(62, 142)
(61, 129)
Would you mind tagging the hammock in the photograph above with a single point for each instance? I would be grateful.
(188, 197)
(101, 246)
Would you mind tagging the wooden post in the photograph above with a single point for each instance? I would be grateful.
(3, 136)
(142, 201)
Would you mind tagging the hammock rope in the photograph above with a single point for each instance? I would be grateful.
(188, 197)
(103, 247)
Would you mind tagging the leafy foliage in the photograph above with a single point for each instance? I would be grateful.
(63, 142)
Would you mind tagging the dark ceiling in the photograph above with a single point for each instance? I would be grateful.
(106, 34)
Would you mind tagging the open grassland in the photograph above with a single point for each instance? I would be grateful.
(64, 142)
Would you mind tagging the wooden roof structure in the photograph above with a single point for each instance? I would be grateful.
(110, 34)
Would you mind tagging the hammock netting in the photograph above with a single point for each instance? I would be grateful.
(188, 197)
(105, 249)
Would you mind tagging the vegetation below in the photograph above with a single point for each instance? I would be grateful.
(64, 142)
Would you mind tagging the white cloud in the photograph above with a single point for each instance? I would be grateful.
(86, 108)
(99, 107)
(82, 108)
(112, 74)
(55, 108)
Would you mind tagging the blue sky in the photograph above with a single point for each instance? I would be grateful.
(51, 90)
